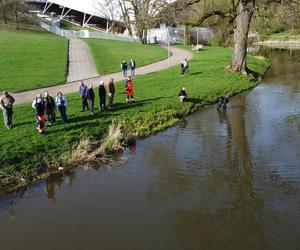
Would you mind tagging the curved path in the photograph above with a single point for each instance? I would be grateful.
(177, 56)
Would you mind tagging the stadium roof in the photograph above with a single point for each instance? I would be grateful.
(97, 8)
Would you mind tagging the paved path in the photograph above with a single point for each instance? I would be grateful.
(81, 61)
(177, 56)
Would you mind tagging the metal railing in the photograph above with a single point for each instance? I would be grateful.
(54, 28)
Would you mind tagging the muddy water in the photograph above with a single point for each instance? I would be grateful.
(219, 180)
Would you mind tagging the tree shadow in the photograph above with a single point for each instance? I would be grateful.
(195, 73)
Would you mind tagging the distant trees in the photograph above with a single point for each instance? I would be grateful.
(13, 9)
(235, 17)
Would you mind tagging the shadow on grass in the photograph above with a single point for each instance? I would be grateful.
(195, 73)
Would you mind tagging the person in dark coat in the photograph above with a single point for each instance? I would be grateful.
(132, 66)
(90, 95)
(39, 107)
(49, 108)
(82, 93)
(111, 93)
(182, 94)
(102, 96)
(124, 68)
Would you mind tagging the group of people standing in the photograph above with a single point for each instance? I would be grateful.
(87, 96)
(45, 105)
(124, 68)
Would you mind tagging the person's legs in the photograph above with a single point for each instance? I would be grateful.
(53, 118)
(9, 117)
(64, 114)
(91, 105)
(182, 98)
(84, 104)
(111, 100)
(5, 118)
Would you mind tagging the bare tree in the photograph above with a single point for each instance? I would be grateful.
(109, 9)
(141, 15)
(3, 10)
(18, 8)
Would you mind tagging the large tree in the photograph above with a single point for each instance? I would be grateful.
(243, 21)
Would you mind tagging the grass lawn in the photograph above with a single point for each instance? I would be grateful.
(108, 54)
(23, 151)
(286, 35)
(64, 24)
(31, 60)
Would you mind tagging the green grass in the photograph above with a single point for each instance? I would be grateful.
(109, 54)
(23, 151)
(284, 36)
(70, 26)
(31, 60)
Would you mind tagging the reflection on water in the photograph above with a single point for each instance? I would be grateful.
(219, 180)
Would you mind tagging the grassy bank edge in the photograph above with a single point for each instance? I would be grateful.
(110, 143)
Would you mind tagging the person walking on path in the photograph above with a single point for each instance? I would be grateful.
(182, 94)
(39, 107)
(111, 93)
(49, 108)
(90, 95)
(184, 65)
(132, 66)
(124, 68)
(82, 93)
(61, 104)
(102, 96)
(129, 90)
(6, 104)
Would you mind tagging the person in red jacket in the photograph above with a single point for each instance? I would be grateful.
(129, 90)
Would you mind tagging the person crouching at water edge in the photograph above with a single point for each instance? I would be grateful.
(61, 104)
(182, 95)
(6, 104)
(39, 107)
(129, 90)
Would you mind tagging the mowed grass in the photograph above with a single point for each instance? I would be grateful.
(30, 60)
(23, 151)
(108, 54)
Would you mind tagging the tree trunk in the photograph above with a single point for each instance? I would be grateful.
(243, 21)
(3, 11)
(17, 17)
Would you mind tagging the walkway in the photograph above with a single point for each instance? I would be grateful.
(81, 61)
(177, 56)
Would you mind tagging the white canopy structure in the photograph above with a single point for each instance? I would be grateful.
(98, 8)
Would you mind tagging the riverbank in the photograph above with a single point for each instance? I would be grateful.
(35, 157)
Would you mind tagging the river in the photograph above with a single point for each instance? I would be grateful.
(219, 180)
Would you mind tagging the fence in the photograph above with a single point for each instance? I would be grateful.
(84, 33)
